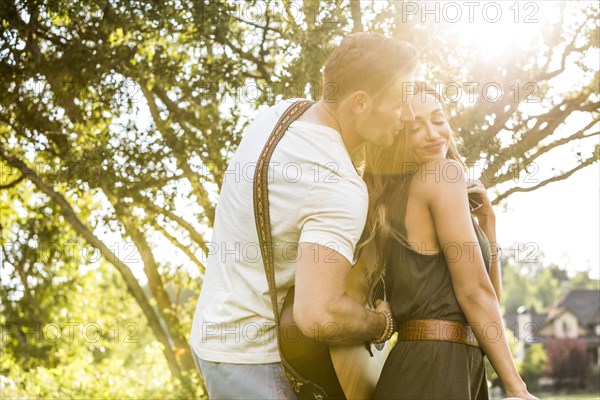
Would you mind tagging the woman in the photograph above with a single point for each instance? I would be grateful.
(441, 267)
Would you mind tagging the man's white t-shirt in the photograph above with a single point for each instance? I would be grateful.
(315, 196)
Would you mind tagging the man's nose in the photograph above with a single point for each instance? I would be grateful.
(407, 114)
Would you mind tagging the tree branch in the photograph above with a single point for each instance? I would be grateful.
(552, 118)
(528, 160)
(131, 282)
(172, 142)
(577, 135)
(194, 234)
(254, 24)
(186, 249)
(290, 15)
(13, 183)
(557, 178)
(570, 48)
(356, 14)
(260, 64)
(155, 283)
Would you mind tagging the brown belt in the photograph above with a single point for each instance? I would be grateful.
(435, 329)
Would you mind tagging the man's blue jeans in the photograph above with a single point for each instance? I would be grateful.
(244, 381)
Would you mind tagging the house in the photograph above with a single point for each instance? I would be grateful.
(575, 316)
(525, 325)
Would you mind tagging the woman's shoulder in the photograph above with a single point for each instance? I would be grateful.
(439, 177)
(443, 188)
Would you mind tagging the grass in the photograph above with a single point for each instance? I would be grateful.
(579, 396)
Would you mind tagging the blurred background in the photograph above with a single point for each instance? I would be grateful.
(117, 121)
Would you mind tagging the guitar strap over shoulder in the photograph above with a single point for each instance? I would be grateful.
(302, 387)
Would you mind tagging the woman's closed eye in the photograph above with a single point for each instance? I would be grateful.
(438, 120)
(417, 125)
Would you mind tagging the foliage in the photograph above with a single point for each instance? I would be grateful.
(515, 347)
(529, 281)
(532, 366)
(568, 363)
(593, 381)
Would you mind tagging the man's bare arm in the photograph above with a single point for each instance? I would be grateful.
(322, 309)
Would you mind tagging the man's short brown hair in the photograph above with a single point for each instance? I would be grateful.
(366, 61)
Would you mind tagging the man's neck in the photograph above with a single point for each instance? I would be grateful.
(322, 114)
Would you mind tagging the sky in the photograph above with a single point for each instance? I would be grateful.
(561, 219)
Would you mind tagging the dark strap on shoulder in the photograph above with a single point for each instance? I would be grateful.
(263, 220)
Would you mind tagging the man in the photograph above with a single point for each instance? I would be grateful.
(318, 207)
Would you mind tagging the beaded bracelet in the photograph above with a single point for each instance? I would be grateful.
(389, 327)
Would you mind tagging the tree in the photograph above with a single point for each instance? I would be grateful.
(549, 283)
(582, 280)
(568, 362)
(516, 289)
(522, 265)
(533, 364)
(529, 281)
(69, 328)
(515, 348)
(506, 137)
(117, 120)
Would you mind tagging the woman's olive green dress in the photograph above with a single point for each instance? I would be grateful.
(419, 287)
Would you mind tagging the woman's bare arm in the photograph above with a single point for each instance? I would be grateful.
(448, 202)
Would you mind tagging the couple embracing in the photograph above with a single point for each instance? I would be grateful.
(313, 252)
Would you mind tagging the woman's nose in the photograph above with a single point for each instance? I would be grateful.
(430, 131)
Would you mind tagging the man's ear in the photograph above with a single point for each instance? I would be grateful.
(360, 101)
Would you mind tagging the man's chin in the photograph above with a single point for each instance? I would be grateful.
(390, 140)
(381, 141)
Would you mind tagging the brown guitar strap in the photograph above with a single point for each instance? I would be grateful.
(263, 221)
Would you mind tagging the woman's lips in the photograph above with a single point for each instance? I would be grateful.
(435, 146)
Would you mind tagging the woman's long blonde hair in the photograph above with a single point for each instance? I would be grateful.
(384, 171)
